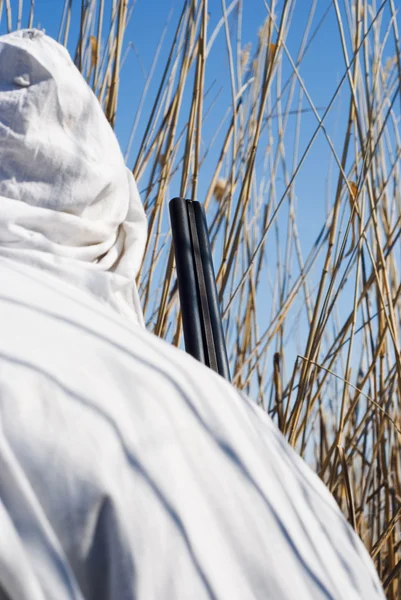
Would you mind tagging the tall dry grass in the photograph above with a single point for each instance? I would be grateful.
(337, 398)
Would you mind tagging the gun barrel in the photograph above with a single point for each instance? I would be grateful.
(201, 317)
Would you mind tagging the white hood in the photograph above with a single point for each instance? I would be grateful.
(68, 203)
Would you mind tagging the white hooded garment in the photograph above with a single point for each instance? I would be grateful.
(127, 469)
(68, 203)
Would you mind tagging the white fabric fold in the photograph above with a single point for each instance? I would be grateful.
(68, 203)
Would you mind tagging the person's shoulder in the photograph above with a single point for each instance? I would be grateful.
(25, 287)
(36, 304)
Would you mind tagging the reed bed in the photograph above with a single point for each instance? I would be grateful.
(312, 322)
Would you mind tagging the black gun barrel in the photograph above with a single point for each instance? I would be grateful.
(201, 317)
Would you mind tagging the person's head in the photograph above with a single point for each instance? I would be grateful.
(64, 186)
